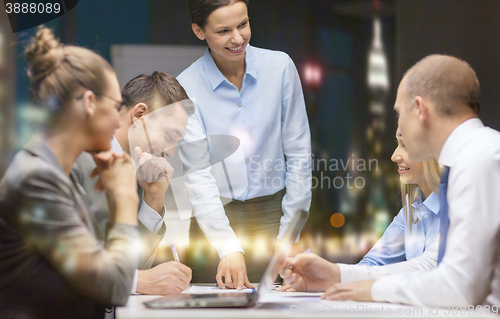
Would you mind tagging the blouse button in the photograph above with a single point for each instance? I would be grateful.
(239, 105)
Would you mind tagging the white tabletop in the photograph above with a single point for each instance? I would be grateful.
(295, 305)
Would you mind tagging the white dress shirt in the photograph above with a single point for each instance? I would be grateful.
(268, 116)
(147, 216)
(399, 245)
(469, 273)
(200, 190)
(427, 261)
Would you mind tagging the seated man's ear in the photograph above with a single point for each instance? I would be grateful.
(139, 110)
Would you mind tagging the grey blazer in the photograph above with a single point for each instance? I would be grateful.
(98, 207)
(53, 261)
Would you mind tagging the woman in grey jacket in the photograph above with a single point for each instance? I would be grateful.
(53, 262)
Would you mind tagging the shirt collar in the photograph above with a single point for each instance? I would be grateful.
(431, 202)
(215, 77)
(251, 60)
(454, 144)
(115, 146)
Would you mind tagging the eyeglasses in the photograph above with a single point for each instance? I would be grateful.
(120, 105)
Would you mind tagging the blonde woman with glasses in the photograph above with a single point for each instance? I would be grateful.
(53, 261)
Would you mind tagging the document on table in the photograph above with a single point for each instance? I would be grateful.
(290, 297)
(216, 290)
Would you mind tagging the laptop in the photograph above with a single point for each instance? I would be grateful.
(235, 300)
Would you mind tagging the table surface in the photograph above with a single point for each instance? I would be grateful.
(295, 306)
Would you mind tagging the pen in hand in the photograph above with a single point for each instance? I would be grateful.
(174, 253)
(288, 266)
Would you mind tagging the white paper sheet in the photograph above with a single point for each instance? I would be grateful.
(292, 297)
(215, 290)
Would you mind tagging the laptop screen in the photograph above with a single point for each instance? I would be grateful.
(282, 252)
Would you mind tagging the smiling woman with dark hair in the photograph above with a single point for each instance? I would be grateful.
(255, 95)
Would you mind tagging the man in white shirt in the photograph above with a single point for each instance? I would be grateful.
(146, 94)
(438, 107)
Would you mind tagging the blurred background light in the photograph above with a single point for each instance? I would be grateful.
(312, 74)
(337, 220)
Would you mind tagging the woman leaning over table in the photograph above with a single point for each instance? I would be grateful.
(255, 95)
(53, 263)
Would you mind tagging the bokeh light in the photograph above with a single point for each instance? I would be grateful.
(337, 220)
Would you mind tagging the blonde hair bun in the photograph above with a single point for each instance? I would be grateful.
(58, 72)
(43, 54)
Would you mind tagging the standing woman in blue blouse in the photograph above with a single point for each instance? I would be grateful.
(255, 95)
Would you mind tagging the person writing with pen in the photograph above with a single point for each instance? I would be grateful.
(412, 233)
(156, 107)
(438, 103)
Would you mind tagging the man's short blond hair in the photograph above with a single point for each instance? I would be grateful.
(445, 80)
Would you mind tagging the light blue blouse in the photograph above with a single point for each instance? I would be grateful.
(398, 243)
(269, 118)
